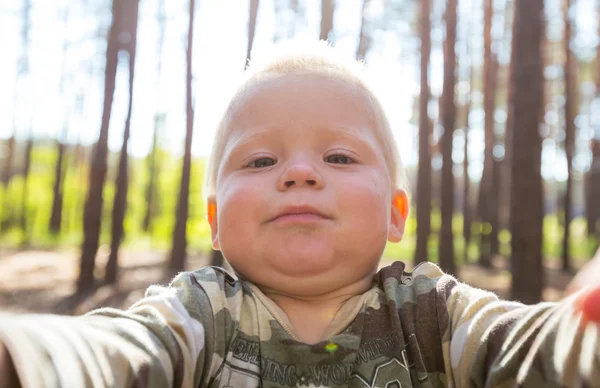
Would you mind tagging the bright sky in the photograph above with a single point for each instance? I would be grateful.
(34, 103)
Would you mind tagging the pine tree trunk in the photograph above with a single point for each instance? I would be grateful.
(151, 191)
(364, 38)
(526, 202)
(178, 250)
(251, 29)
(467, 207)
(57, 191)
(486, 187)
(130, 13)
(570, 104)
(54, 225)
(448, 122)
(24, 194)
(327, 9)
(92, 213)
(7, 213)
(423, 196)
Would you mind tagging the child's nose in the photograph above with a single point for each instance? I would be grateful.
(300, 175)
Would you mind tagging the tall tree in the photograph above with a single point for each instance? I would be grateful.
(424, 166)
(592, 179)
(505, 166)
(448, 106)
(92, 212)
(526, 202)
(467, 208)
(487, 191)
(178, 250)
(22, 73)
(327, 9)
(253, 12)
(25, 192)
(130, 14)
(59, 171)
(159, 116)
(570, 74)
(365, 38)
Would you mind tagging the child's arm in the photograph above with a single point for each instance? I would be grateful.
(488, 342)
(158, 342)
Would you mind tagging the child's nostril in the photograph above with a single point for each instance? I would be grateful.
(289, 183)
(311, 182)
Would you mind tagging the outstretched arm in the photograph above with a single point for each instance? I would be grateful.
(490, 342)
(156, 343)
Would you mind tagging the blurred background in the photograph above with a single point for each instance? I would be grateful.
(108, 110)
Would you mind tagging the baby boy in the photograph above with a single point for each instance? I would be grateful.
(304, 188)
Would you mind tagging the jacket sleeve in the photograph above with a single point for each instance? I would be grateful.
(158, 342)
(492, 343)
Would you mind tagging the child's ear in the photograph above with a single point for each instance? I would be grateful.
(211, 216)
(399, 215)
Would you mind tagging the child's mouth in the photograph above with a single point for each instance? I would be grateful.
(299, 218)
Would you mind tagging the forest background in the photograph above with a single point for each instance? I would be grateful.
(109, 109)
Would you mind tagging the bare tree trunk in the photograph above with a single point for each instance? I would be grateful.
(327, 9)
(24, 194)
(365, 38)
(59, 173)
(151, 191)
(570, 106)
(178, 250)
(526, 191)
(22, 71)
(424, 167)
(57, 191)
(448, 121)
(7, 212)
(251, 29)
(467, 208)
(92, 213)
(486, 188)
(8, 163)
(593, 176)
(130, 13)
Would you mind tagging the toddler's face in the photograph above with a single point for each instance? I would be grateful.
(303, 197)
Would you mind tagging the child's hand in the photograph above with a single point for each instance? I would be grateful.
(588, 277)
(590, 305)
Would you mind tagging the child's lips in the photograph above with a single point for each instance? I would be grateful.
(299, 218)
(301, 214)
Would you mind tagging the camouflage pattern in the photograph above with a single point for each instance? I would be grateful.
(208, 329)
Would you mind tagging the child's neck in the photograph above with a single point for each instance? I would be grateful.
(311, 316)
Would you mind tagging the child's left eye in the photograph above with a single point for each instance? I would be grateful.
(339, 159)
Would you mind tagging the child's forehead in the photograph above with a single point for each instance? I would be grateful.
(271, 91)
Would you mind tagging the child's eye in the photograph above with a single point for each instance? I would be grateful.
(262, 163)
(339, 159)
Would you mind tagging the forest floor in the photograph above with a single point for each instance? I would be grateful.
(43, 281)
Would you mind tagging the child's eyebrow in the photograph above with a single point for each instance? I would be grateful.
(350, 133)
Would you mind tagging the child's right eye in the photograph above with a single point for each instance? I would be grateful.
(262, 163)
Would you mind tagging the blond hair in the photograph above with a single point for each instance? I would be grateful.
(320, 59)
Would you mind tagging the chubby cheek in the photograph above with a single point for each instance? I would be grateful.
(239, 206)
(368, 207)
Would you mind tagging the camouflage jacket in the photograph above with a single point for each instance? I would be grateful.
(207, 329)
